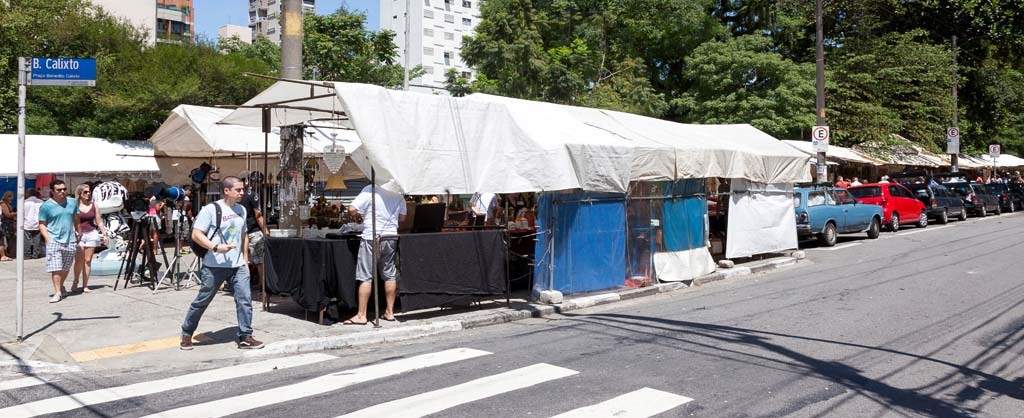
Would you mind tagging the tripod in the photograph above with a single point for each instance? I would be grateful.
(140, 242)
(173, 269)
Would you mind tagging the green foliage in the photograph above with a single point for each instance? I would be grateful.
(895, 84)
(261, 49)
(340, 48)
(741, 81)
(456, 84)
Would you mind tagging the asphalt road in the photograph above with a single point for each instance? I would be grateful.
(924, 322)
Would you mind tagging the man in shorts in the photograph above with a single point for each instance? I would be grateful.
(390, 211)
(58, 223)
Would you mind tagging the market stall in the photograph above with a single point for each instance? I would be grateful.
(428, 144)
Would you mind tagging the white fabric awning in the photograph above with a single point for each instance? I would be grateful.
(1004, 160)
(433, 144)
(71, 154)
(836, 152)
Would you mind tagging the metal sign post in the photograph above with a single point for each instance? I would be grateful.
(73, 72)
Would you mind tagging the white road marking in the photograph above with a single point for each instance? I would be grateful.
(920, 230)
(838, 247)
(22, 383)
(641, 403)
(79, 400)
(438, 400)
(320, 385)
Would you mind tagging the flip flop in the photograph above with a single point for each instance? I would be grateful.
(351, 322)
(392, 319)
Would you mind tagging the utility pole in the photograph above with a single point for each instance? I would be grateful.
(820, 134)
(291, 39)
(405, 55)
(951, 149)
(19, 299)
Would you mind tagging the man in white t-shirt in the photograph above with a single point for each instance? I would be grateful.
(484, 205)
(390, 211)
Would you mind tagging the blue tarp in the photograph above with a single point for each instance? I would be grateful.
(11, 184)
(582, 245)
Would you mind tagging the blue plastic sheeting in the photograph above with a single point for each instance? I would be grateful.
(682, 219)
(582, 245)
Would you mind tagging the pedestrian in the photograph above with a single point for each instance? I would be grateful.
(390, 211)
(92, 234)
(185, 219)
(841, 182)
(7, 226)
(33, 242)
(856, 182)
(483, 207)
(885, 179)
(226, 260)
(256, 227)
(58, 223)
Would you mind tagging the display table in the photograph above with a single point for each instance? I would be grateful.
(313, 271)
(435, 269)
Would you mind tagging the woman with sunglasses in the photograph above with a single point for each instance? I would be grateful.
(92, 234)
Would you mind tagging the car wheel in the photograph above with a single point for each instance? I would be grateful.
(874, 228)
(922, 220)
(1012, 208)
(983, 212)
(828, 236)
(999, 209)
(963, 214)
(944, 218)
(894, 222)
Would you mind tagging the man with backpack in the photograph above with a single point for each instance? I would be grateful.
(219, 237)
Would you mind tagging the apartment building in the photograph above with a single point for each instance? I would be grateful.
(243, 33)
(436, 28)
(140, 14)
(265, 17)
(175, 21)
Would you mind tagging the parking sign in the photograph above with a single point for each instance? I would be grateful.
(993, 151)
(819, 138)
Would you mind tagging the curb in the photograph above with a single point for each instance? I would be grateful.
(517, 312)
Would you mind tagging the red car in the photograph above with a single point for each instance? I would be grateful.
(899, 206)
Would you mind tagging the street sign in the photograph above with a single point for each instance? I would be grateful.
(953, 133)
(819, 138)
(993, 151)
(952, 140)
(77, 72)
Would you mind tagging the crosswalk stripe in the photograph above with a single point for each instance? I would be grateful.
(22, 383)
(78, 400)
(322, 384)
(441, 399)
(641, 403)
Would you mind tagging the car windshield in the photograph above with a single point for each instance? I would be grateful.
(959, 189)
(866, 191)
(995, 188)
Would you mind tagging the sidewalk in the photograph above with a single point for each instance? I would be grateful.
(131, 328)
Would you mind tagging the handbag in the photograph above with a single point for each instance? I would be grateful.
(199, 250)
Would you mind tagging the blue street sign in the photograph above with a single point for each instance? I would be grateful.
(79, 72)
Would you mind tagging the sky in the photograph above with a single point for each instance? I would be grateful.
(212, 14)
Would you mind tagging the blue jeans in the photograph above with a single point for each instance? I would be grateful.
(213, 278)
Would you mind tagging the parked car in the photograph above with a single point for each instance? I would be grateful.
(976, 198)
(825, 212)
(940, 203)
(899, 206)
(1010, 198)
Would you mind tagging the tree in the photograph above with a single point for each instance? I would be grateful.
(340, 48)
(741, 81)
(456, 84)
(261, 49)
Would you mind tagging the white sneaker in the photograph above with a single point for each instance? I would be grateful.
(55, 298)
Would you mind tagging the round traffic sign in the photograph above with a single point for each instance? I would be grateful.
(953, 133)
(819, 133)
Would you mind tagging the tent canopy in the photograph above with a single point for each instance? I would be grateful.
(1004, 160)
(192, 135)
(836, 152)
(71, 154)
(433, 144)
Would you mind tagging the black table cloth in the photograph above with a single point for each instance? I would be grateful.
(313, 271)
(451, 267)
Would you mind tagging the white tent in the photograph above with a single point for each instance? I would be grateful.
(192, 135)
(1004, 160)
(836, 152)
(73, 155)
(432, 144)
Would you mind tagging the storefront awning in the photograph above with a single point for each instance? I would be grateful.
(72, 154)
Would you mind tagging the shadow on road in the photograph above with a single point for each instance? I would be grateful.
(739, 341)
